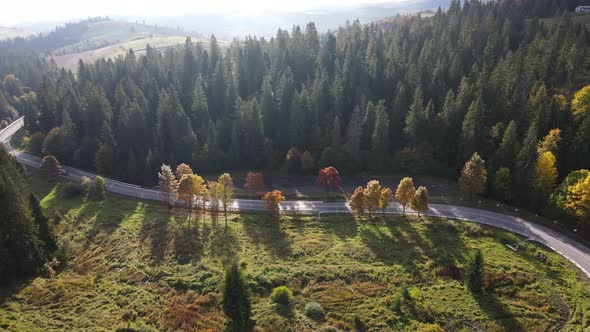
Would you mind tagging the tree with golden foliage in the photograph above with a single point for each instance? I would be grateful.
(272, 201)
(405, 192)
(214, 196)
(358, 201)
(550, 143)
(372, 196)
(578, 199)
(420, 200)
(386, 197)
(189, 187)
(581, 101)
(545, 176)
(226, 192)
(183, 169)
(254, 181)
(473, 176)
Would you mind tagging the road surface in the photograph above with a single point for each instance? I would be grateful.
(575, 252)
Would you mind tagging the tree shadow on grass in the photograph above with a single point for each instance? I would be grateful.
(497, 311)
(385, 247)
(188, 243)
(343, 227)
(223, 243)
(267, 231)
(157, 229)
(445, 245)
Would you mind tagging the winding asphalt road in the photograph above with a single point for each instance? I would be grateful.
(575, 252)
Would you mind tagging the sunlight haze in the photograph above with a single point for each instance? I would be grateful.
(46, 11)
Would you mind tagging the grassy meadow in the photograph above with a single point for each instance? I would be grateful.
(134, 265)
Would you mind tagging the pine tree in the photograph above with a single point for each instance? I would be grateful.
(415, 120)
(472, 130)
(236, 299)
(380, 137)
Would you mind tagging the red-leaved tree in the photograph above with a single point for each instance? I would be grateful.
(329, 178)
(254, 181)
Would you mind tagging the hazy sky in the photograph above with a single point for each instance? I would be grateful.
(14, 12)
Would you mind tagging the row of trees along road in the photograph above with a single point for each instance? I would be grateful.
(419, 94)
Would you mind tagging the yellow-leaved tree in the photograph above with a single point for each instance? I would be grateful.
(581, 101)
(358, 201)
(578, 198)
(405, 192)
(226, 192)
(373, 196)
(386, 197)
(473, 176)
(189, 189)
(545, 176)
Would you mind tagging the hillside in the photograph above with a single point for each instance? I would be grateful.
(98, 33)
(134, 264)
(70, 60)
(9, 32)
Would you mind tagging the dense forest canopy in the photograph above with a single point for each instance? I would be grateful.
(420, 95)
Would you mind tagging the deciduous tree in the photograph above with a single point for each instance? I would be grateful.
(578, 199)
(405, 192)
(50, 166)
(358, 201)
(272, 201)
(545, 175)
(329, 178)
(254, 181)
(190, 187)
(474, 176)
(99, 192)
(420, 200)
(386, 197)
(581, 101)
(226, 192)
(183, 169)
(550, 143)
(167, 184)
(372, 196)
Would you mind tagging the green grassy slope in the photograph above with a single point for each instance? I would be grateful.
(133, 264)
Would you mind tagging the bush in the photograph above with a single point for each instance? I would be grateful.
(314, 310)
(282, 295)
(71, 190)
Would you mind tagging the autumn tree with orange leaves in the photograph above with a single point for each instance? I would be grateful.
(272, 201)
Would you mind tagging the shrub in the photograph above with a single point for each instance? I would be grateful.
(282, 295)
(314, 310)
(71, 190)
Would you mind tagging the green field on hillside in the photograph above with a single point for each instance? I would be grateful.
(132, 264)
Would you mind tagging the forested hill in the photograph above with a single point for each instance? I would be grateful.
(89, 34)
(421, 96)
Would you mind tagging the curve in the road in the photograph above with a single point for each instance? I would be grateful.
(575, 252)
